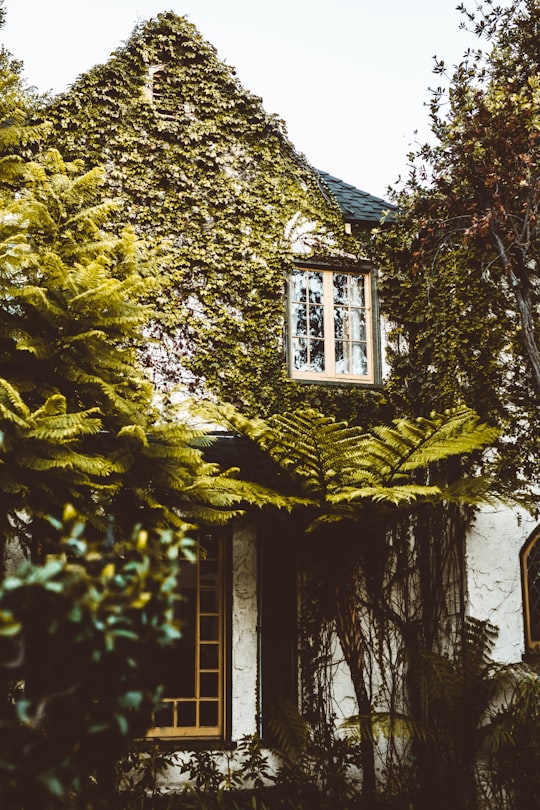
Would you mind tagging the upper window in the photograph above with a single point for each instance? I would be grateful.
(530, 574)
(331, 326)
(193, 669)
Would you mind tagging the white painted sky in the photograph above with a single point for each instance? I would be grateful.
(349, 77)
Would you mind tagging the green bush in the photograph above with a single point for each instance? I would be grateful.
(78, 635)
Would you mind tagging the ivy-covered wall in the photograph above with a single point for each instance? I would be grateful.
(223, 198)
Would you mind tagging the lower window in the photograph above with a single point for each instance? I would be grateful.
(194, 666)
(530, 574)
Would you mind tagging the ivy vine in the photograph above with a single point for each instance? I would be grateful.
(224, 200)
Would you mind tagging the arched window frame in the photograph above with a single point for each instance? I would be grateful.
(530, 583)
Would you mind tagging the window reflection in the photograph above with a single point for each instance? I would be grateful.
(316, 322)
(299, 285)
(317, 356)
(359, 358)
(315, 287)
(300, 353)
(357, 292)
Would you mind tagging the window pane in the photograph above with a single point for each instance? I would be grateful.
(209, 656)
(187, 714)
(357, 287)
(357, 324)
(317, 355)
(316, 322)
(209, 573)
(209, 628)
(209, 684)
(300, 355)
(298, 292)
(208, 713)
(315, 288)
(359, 358)
(209, 600)
(338, 322)
(299, 320)
(342, 357)
(340, 288)
(209, 548)
(533, 576)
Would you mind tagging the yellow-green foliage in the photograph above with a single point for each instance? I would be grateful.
(344, 470)
(82, 631)
(78, 420)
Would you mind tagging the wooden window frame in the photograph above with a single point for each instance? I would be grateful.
(198, 731)
(329, 375)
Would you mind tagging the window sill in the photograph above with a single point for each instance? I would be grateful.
(187, 744)
(370, 386)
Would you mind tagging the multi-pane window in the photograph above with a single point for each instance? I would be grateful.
(193, 669)
(331, 330)
(530, 572)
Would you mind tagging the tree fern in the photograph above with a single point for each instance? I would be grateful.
(343, 469)
(290, 728)
(77, 414)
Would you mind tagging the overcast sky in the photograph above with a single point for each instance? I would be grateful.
(349, 77)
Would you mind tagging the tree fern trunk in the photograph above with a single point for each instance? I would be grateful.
(349, 632)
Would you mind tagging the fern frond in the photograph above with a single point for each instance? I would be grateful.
(390, 725)
(291, 729)
(397, 495)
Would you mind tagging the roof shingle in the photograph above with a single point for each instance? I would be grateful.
(357, 206)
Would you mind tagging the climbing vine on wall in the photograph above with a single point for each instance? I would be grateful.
(223, 199)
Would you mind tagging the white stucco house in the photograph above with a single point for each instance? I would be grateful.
(242, 648)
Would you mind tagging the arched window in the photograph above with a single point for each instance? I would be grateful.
(530, 578)
(154, 86)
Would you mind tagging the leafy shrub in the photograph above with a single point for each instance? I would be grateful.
(77, 637)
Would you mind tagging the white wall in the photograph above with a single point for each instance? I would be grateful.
(493, 576)
(244, 632)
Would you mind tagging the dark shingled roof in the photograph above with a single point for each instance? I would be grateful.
(357, 206)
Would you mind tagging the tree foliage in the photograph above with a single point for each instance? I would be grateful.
(79, 417)
(78, 640)
(461, 267)
(374, 499)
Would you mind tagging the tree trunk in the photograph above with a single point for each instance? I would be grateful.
(523, 300)
(349, 632)
(517, 274)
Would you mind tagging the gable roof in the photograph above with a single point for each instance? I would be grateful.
(358, 207)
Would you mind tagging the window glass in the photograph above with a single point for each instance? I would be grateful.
(357, 293)
(315, 288)
(359, 359)
(300, 354)
(316, 359)
(340, 288)
(299, 285)
(192, 669)
(316, 321)
(531, 590)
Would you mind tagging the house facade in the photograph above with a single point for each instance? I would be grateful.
(268, 302)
